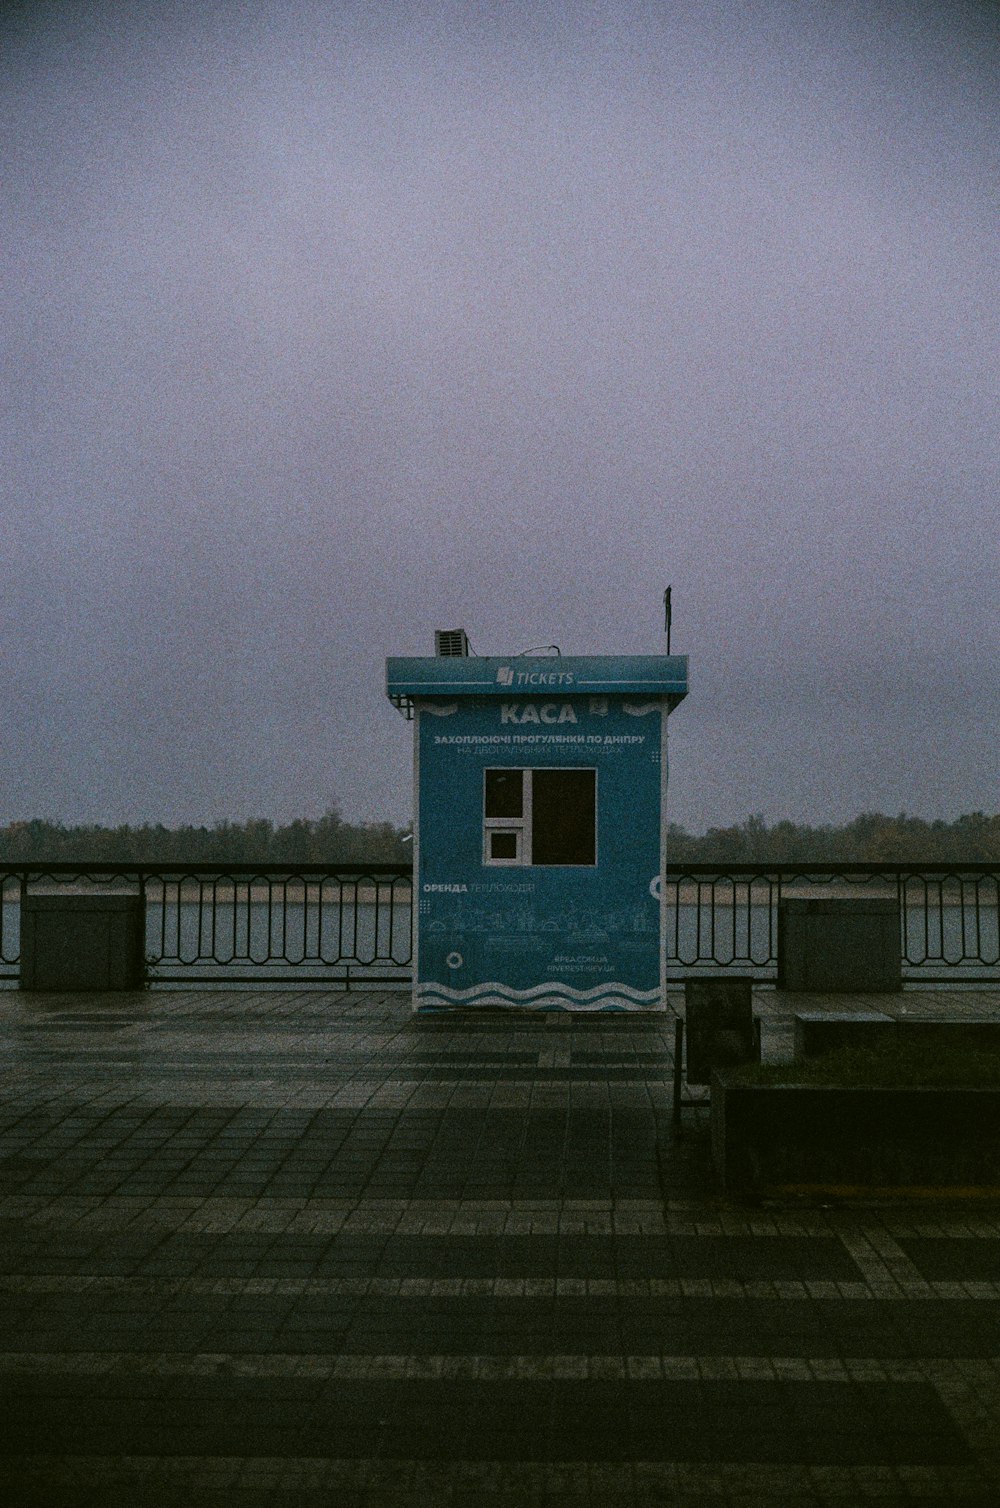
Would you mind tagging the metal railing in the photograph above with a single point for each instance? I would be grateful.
(726, 916)
(353, 924)
(212, 924)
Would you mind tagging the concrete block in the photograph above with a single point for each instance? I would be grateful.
(831, 946)
(82, 942)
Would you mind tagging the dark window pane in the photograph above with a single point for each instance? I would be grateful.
(504, 793)
(503, 845)
(563, 826)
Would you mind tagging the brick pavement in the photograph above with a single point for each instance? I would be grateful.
(295, 1248)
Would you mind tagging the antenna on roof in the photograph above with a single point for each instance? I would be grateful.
(667, 615)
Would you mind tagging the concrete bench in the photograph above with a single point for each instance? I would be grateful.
(826, 1031)
(819, 1032)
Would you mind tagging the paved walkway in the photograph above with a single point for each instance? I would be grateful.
(303, 1249)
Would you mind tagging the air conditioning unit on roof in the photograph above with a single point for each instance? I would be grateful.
(451, 642)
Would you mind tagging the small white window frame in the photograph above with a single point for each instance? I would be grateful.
(520, 826)
(517, 833)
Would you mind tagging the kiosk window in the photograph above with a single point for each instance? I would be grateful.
(540, 817)
(562, 817)
(504, 793)
(504, 845)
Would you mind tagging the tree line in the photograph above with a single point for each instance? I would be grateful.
(324, 840)
(870, 839)
(330, 839)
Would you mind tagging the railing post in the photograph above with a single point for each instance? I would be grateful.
(678, 1070)
(142, 909)
(21, 909)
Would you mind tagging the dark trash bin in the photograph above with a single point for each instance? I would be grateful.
(721, 1031)
(720, 1027)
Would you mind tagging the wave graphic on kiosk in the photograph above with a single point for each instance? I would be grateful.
(553, 995)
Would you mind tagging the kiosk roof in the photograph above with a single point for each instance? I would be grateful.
(536, 675)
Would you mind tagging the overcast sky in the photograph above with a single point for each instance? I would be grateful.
(330, 324)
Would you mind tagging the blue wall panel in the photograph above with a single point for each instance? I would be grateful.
(541, 937)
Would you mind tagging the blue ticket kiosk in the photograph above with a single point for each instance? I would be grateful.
(539, 815)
